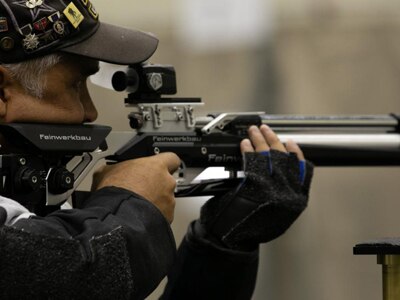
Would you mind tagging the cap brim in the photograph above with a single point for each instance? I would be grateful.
(116, 45)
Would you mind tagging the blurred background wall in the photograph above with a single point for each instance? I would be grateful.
(286, 56)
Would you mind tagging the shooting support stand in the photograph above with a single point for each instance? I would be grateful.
(388, 255)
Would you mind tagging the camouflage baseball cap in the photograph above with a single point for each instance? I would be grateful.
(33, 28)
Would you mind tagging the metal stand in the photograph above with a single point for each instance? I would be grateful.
(388, 255)
(390, 276)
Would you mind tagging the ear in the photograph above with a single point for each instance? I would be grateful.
(5, 80)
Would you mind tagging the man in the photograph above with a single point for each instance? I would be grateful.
(119, 245)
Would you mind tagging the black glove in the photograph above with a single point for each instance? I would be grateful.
(271, 197)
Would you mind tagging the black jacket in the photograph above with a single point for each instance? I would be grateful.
(117, 246)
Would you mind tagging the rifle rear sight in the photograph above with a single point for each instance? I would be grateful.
(146, 84)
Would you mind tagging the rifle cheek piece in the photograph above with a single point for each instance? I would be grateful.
(37, 176)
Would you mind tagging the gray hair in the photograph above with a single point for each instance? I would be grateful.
(30, 73)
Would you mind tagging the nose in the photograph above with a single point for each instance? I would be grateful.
(90, 111)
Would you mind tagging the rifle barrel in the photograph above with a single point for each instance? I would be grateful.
(337, 121)
(356, 140)
(385, 142)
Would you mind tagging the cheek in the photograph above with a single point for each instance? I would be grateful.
(65, 100)
(65, 108)
(45, 113)
(69, 108)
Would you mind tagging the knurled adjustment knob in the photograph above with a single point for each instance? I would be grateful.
(135, 120)
(60, 180)
(28, 179)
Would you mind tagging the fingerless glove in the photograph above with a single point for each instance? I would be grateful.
(272, 195)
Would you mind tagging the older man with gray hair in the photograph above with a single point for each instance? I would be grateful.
(119, 244)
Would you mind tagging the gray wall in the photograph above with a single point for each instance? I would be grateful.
(334, 57)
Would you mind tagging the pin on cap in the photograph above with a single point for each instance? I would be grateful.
(93, 11)
(33, 3)
(59, 27)
(73, 15)
(27, 29)
(31, 42)
(41, 24)
(3, 24)
(7, 43)
(54, 17)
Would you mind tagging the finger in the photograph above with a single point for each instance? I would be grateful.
(257, 139)
(272, 139)
(169, 159)
(291, 146)
(246, 146)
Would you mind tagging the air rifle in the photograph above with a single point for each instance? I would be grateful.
(53, 160)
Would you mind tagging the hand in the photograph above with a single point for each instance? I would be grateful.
(150, 177)
(271, 197)
(264, 139)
